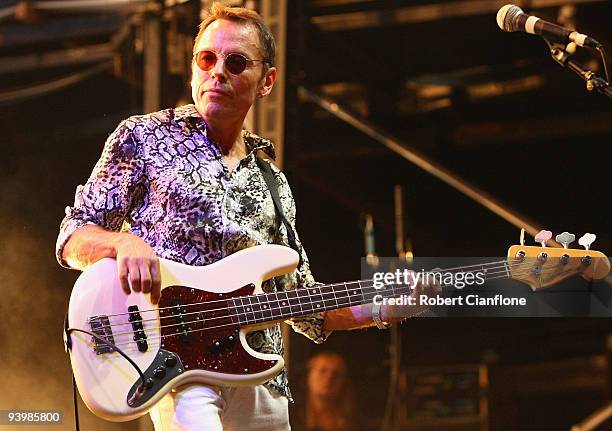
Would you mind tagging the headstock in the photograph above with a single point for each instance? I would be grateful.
(541, 267)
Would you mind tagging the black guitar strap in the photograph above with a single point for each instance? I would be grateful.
(270, 179)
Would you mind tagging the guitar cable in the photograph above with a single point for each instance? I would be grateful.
(76, 405)
(68, 346)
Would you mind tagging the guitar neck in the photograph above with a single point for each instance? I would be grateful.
(268, 307)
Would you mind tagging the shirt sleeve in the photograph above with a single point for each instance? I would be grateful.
(106, 198)
(311, 325)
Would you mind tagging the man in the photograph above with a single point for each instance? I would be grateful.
(183, 184)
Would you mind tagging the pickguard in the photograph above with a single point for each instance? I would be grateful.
(197, 325)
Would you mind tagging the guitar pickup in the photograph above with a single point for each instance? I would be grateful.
(139, 335)
(100, 325)
(179, 313)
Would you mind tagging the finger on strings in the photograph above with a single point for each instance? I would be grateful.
(156, 282)
(134, 276)
(122, 274)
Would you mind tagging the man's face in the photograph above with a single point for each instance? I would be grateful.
(219, 95)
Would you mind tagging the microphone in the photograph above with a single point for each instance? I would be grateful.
(512, 18)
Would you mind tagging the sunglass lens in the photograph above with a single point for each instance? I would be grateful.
(206, 60)
(235, 63)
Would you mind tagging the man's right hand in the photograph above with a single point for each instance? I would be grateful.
(137, 266)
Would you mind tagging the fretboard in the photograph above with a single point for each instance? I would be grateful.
(267, 307)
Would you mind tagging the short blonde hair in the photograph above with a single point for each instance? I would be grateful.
(242, 15)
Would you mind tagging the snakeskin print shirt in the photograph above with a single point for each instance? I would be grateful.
(161, 178)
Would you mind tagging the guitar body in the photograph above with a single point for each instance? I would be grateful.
(190, 336)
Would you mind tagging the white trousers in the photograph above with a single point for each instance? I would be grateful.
(204, 408)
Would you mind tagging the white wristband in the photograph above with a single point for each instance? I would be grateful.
(376, 316)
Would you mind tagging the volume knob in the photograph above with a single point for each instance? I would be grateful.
(159, 372)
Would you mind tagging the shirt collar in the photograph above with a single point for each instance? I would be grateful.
(191, 116)
(186, 111)
(256, 143)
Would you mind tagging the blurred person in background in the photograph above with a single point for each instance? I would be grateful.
(330, 402)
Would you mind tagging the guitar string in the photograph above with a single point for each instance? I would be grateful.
(238, 324)
(332, 285)
(299, 297)
(340, 284)
(205, 329)
(297, 291)
(346, 295)
(367, 292)
(506, 267)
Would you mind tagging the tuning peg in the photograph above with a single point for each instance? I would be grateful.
(522, 237)
(587, 239)
(565, 238)
(543, 236)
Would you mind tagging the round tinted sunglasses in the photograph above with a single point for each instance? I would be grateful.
(234, 63)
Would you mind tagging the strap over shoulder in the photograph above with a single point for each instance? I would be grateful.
(272, 183)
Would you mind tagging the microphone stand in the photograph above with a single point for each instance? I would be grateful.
(593, 81)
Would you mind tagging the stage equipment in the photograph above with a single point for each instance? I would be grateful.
(593, 81)
(512, 18)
